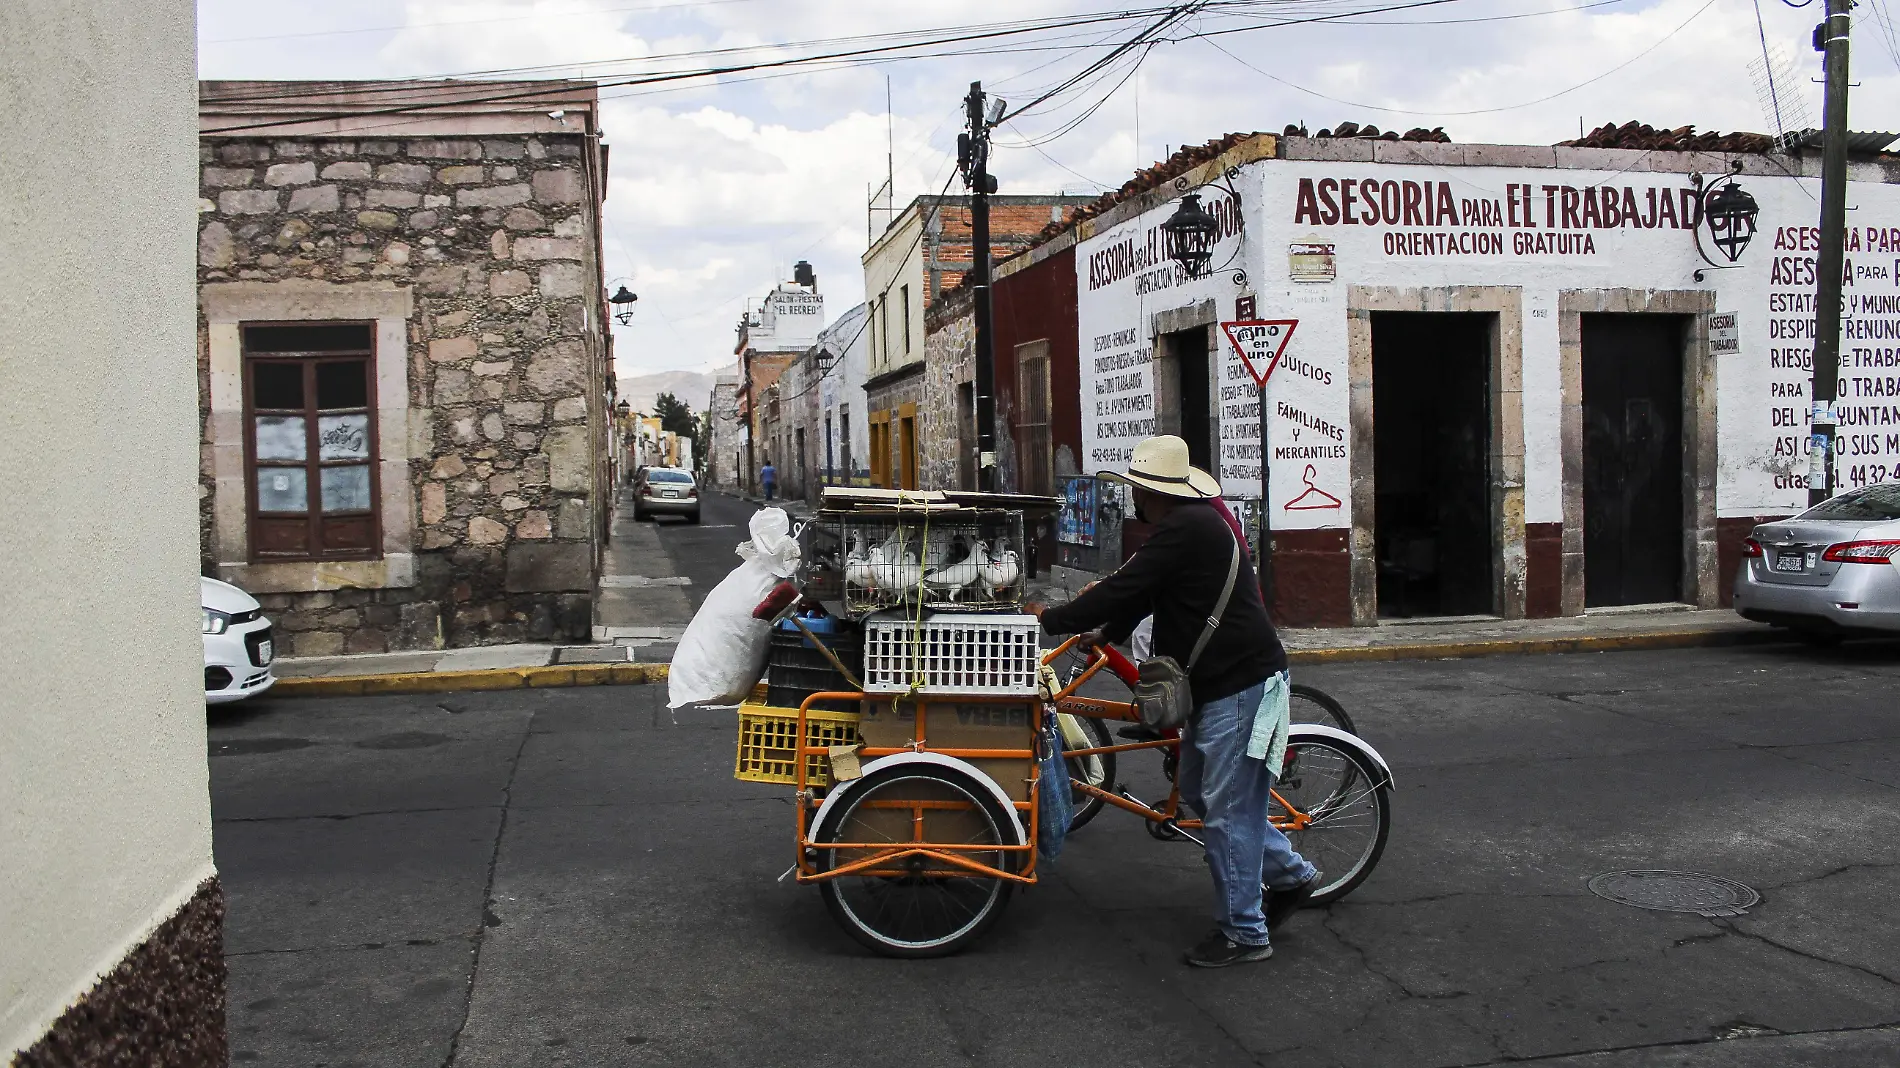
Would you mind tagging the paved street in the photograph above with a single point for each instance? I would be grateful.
(572, 877)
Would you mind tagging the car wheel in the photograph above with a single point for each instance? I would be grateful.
(693, 518)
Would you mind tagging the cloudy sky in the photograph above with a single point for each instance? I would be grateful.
(718, 186)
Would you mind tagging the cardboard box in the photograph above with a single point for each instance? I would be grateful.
(961, 722)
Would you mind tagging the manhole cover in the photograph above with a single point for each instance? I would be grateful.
(1675, 891)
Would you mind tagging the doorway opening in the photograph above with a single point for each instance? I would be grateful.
(1433, 534)
(1632, 459)
(1182, 400)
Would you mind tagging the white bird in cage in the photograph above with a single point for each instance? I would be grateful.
(954, 577)
(901, 574)
(860, 570)
(999, 572)
(896, 567)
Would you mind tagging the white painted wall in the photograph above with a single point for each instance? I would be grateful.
(1761, 390)
(841, 392)
(105, 824)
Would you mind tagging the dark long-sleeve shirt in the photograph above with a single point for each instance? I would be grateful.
(1177, 576)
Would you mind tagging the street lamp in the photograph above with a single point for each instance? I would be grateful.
(623, 408)
(623, 305)
(1189, 236)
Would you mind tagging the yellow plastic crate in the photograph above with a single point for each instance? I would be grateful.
(767, 742)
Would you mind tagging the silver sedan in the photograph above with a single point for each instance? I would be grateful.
(1832, 571)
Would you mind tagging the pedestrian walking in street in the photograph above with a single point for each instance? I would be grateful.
(1236, 672)
(768, 477)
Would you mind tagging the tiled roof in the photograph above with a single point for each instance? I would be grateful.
(1353, 129)
(1681, 139)
(1185, 159)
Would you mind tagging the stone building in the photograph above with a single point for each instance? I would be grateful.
(726, 435)
(403, 362)
(923, 252)
(947, 387)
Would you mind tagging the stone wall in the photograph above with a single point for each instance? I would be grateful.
(506, 362)
(949, 362)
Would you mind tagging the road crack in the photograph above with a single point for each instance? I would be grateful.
(488, 895)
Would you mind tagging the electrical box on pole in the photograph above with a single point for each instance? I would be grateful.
(1830, 38)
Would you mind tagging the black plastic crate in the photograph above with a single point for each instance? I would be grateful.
(795, 669)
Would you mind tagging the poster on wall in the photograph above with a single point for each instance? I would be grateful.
(1075, 525)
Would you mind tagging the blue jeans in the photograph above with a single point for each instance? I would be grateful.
(769, 487)
(1230, 792)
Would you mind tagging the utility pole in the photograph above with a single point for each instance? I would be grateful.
(973, 158)
(1830, 38)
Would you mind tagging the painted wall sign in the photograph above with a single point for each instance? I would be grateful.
(1724, 334)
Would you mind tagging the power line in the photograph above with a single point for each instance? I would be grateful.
(898, 40)
(1477, 111)
(467, 22)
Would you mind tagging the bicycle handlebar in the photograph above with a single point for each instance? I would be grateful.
(1100, 656)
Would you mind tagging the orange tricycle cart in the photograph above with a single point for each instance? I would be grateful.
(918, 786)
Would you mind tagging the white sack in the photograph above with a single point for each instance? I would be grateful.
(722, 654)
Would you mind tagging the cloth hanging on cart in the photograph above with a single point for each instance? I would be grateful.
(1053, 809)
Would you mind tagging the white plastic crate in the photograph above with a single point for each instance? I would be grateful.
(952, 653)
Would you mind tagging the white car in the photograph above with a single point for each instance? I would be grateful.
(238, 646)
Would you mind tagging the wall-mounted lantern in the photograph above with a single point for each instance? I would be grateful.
(1189, 236)
(622, 300)
(1730, 214)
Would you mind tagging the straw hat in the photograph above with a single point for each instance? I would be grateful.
(1160, 465)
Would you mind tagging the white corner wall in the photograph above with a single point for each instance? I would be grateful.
(105, 823)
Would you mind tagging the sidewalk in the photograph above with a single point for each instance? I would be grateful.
(1645, 627)
(638, 653)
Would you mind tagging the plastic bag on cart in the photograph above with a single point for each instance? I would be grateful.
(722, 654)
(1053, 809)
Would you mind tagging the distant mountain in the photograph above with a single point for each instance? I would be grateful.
(693, 387)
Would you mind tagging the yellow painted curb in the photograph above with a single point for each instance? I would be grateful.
(559, 675)
(1579, 643)
(465, 681)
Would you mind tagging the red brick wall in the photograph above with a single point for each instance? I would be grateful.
(1012, 228)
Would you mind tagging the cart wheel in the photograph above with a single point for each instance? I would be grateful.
(917, 906)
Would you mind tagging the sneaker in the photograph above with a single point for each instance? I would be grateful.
(1218, 951)
(1284, 903)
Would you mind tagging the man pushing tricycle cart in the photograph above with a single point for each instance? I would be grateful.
(939, 756)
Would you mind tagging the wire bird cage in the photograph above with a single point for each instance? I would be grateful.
(957, 561)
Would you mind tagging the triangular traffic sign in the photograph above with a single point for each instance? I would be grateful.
(1260, 343)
